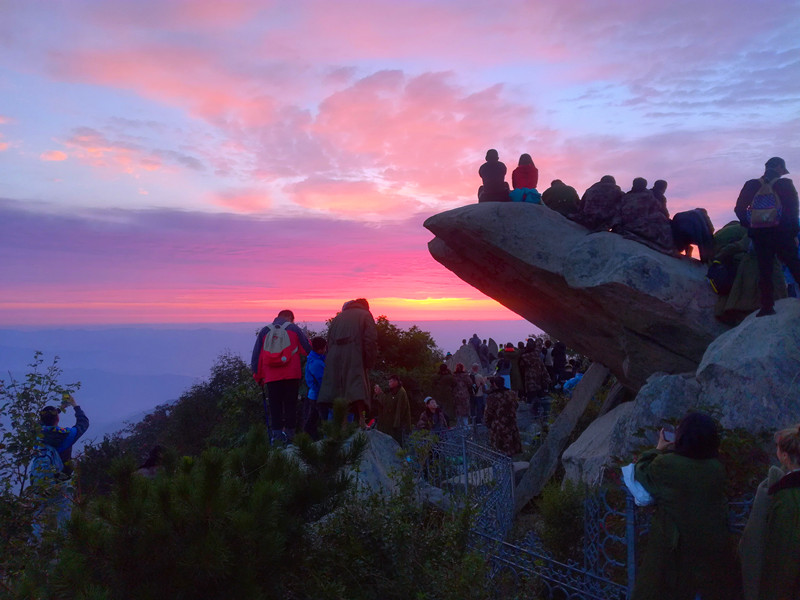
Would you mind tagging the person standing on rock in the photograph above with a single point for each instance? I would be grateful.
(352, 350)
(501, 418)
(773, 238)
(493, 175)
(276, 365)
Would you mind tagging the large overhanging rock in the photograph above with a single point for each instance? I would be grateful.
(749, 377)
(620, 303)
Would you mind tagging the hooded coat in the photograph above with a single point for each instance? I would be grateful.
(641, 218)
(732, 247)
(689, 548)
(352, 350)
(780, 576)
(599, 205)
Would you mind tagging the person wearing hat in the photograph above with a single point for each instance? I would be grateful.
(432, 418)
(779, 240)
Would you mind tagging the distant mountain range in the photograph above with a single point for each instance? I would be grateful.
(126, 371)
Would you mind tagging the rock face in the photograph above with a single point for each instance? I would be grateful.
(465, 355)
(620, 303)
(750, 375)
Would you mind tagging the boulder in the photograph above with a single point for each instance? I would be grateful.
(380, 464)
(620, 303)
(752, 373)
(749, 376)
(587, 457)
(465, 355)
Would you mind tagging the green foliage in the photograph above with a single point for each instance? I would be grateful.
(412, 354)
(216, 412)
(21, 402)
(228, 524)
(561, 508)
(392, 548)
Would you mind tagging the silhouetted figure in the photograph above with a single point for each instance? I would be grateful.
(561, 197)
(694, 227)
(599, 205)
(524, 180)
(493, 175)
(658, 189)
(641, 218)
(778, 240)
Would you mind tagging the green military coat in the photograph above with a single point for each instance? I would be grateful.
(352, 349)
(689, 548)
(780, 576)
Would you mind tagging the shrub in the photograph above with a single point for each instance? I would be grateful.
(561, 508)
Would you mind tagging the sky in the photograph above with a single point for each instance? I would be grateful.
(207, 161)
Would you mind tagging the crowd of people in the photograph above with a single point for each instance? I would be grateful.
(744, 258)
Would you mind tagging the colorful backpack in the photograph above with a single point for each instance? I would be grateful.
(46, 465)
(278, 348)
(765, 209)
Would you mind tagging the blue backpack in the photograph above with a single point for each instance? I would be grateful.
(46, 466)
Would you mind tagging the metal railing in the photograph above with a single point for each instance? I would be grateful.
(459, 462)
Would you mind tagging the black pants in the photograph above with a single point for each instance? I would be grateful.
(769, 243)
(283, 403)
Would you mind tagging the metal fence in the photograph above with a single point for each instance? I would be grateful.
(459, 462)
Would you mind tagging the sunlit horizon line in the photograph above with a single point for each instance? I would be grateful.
(181, 312)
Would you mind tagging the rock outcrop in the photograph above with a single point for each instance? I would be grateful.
(749, 376)
(620, 303)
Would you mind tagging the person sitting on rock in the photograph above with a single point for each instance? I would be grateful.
(599, 205)
(561, 197)
(501, 418)
(432, 418)
(658, 189)
(493, 175)
(694, 227)
(641, 218)
(524, 180)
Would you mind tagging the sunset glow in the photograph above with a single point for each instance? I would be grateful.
(204, 161)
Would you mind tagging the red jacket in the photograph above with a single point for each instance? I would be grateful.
(263, 372)
(525, 176)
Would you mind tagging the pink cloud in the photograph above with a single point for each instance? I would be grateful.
(358, 199)
(243, 201)
(4, 146)
(53, 155)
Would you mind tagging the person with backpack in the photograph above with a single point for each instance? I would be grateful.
(276, 364)
(768, 207)
(51, 467)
